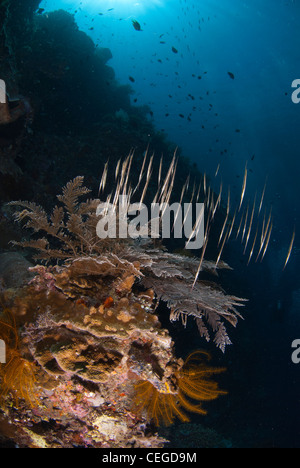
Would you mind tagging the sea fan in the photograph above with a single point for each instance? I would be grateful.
(171, 276)
(209, 305)
(71, 237)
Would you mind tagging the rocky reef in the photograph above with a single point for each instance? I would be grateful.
(62, 98)
(89, 337)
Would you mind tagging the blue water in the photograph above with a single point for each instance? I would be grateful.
(256, 41)
(249, 119)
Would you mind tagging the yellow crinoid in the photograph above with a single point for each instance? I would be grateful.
(192, 383)
(17, 376)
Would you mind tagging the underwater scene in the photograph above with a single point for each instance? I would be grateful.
(149, 220)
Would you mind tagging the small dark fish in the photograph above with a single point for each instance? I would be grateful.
(162, 42)
(136, 25)
(131, 79)
(174, 50)
(181, 115)
(110, 9)
(40, 11)
(252, 159)
(231, 75)
(237, 130)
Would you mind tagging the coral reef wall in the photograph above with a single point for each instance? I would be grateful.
(83, 335)
(69, 102)
(82, 344)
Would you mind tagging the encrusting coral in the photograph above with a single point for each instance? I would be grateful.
(88, 323)
(91, 339)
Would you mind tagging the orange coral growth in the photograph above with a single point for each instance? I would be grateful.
(193, 381)
(109, 302)
(161, 406)
(17, 375)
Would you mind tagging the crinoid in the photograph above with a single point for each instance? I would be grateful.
(159, 405)
(17, 375)
(192, 383)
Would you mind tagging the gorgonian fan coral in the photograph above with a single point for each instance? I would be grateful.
(71, 237)
(89, 319)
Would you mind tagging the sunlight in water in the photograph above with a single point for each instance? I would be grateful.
(105, 7)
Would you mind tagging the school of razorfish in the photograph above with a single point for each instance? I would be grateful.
(246, 219)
